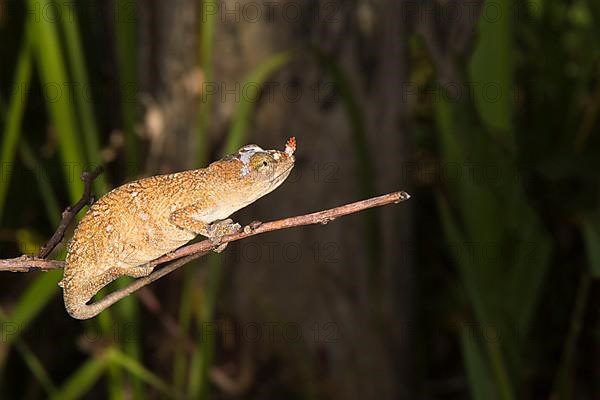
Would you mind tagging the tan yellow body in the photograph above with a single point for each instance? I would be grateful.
(142, 220)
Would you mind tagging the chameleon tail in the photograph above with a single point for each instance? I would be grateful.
(81, 310)
(78, 290)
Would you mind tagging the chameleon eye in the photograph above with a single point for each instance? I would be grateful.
(264, 163)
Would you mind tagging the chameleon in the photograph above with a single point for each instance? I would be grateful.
(140, 221)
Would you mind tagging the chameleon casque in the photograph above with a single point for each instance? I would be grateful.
(138, 222)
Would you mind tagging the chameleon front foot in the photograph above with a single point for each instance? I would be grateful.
(222, 228)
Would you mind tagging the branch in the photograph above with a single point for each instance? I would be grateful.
(190, 252)
(71, 212)
(27, 263)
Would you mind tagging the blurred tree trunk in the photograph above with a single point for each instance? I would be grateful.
(169, 81)
(353, 311)
(316, 280)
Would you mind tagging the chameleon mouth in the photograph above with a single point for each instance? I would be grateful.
(284, 173)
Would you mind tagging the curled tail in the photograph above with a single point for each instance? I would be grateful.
(77, 291)
(80, 310)
(78, 288)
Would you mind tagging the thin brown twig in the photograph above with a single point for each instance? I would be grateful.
(185, 254)
(68, 215)
(27, 263)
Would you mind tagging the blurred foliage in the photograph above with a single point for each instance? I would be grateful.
(508, 279)
(518, 156)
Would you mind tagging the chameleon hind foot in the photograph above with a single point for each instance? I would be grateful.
(222, 228)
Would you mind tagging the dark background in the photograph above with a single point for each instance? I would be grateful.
(483, 285)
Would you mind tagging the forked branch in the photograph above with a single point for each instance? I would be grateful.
(69, 214)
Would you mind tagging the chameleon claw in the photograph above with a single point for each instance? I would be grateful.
(251, 226)
(220, 248)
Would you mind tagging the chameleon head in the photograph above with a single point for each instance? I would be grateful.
(262, 171)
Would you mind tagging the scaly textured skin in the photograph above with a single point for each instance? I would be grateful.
(142, 220)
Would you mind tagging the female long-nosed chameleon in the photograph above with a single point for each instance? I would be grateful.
(136, 223)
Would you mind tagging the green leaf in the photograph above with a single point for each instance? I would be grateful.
(251, 89)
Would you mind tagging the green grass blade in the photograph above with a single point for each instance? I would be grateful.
(208, 20)
(196, 382)
(463, 256)
(35, 366)
(491, 68)
(185, 315)
(536, 8)
(136, 369)
(127, 312)
(355, 114)
(499, 368)
(565, 382)
(106, 323)
(52, 65)
(478, 372)
(14, 115)
(43, 182)
(206, 325)
(591, 237)
(33, 363)
(49, 58)
(125, 25)
(366, 166)
(81, 92)
(526, 277)
(37, 295)
(253, 82)
(81, 381)
(235, 139)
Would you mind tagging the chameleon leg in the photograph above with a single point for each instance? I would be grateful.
(139, 271)
(184, 219)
